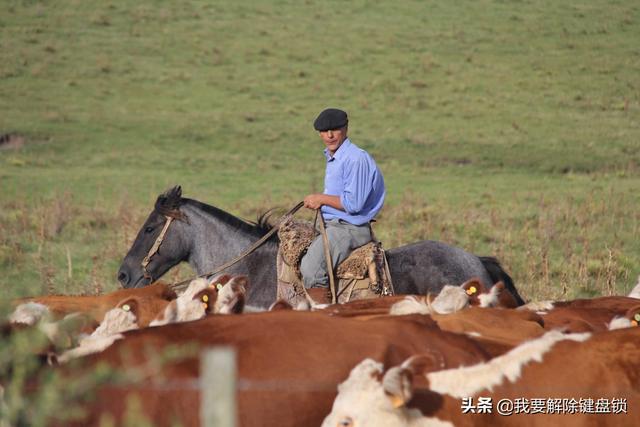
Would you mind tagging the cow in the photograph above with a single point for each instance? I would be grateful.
(497, 330)
(582, 315)
(554, 366)
(289, 363)
(58, 306)
(199, 299)
(450, 299)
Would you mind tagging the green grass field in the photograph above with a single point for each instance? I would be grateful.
(507, 128)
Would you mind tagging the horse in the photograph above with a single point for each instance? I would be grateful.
(186, 230)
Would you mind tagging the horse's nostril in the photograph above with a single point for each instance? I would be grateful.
(123, 277)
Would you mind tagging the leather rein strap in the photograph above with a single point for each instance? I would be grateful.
(249, 250)
(327, 257)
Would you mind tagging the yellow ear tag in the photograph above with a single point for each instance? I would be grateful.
(396, 401)
(636, 317)
(472, 290)
(218, 286)
(205, 298)
(634, 322)
(126, 307)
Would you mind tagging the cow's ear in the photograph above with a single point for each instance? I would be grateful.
(239, 286)
(130, 305)
(420, 365)
(168, 294)
(220, 279)
(473, 287)
(231, 298)
(398, 385)
(241, 281)
(633, 315)
(505, 297)
(207, 298)
(168, 315)
(398, 382)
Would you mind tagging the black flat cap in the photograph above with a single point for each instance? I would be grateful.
(330, 119)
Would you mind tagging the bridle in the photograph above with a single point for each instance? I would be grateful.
(154, 249)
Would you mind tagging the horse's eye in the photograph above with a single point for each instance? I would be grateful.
(346, 422)
(148, 229)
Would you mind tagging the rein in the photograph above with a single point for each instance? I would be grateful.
(256, 245)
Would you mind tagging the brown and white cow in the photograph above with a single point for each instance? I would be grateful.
(225, 295)
(449, 300)
(289, 363)
(582, 315)
(58, 306)
(497, 330)
(555, 366)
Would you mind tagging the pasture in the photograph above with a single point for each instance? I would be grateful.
(506, 128)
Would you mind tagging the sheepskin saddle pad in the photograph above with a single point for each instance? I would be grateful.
(296, 237)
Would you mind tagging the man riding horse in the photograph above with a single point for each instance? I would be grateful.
(353, 194)
(210, 239)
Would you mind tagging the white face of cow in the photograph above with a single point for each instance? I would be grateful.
(231, 296)
(366, 399)
(362, 401)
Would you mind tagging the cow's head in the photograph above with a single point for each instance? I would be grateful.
(231, 294)
(370, 397)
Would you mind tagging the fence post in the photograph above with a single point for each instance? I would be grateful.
(218, 387)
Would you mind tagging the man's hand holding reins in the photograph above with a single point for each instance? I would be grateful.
(316, 201)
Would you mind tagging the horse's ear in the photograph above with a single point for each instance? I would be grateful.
(168, 203)
(173, 197)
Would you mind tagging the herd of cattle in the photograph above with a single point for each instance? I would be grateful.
(468, 356)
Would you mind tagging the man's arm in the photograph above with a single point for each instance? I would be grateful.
(315, 201)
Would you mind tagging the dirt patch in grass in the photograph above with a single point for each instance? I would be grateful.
(11, 141)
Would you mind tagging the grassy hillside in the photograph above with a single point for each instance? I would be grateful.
(507, 128)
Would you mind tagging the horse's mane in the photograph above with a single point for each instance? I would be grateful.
(169, 203)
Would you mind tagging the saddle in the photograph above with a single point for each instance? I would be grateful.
(364, 274)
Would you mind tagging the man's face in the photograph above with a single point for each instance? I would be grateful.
(333, 139)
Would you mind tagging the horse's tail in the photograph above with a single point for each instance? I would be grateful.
(497, 273)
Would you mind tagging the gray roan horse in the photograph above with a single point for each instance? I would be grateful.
(207, 237)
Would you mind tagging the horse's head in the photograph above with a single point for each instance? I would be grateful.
(159, 244)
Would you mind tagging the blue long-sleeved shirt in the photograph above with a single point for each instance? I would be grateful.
(353, 175)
